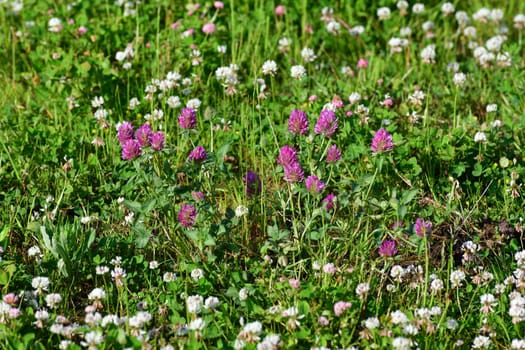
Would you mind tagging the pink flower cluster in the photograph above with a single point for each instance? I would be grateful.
(132, 142)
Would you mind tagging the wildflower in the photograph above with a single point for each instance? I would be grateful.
(329, 268)
(418, 8)
(54, 25)
(481, 342)
(428, 54)
(218, 4)
(287, 156)
(241, 210)
(293, 173)
(34, 251)
(382, 142)
(253, 183)
(355, 97)
(323, 321)
(294, 283)
(118, 274)
(519, 21)
(197, 154)
(362, 63)
(195, 103)
(329, 201)
(169, 277)
(488, 302)
(447, 9)
(280, 10)
(187, 215)
(131, 149)
(340, 307)
(243, 294)
(491, 108)
(388, 248)
(211, 302)
(53, 299)
(157, 141)
(196, 274)
(402, 343)
(459, 79)
(284, 45)
(383, 13)
(194, 304)
(362, 289)
(333, 154)
(398, 317)
(372, 323)
(40, 284)
(298, 72)
(187, 119)
(333, 27)
(480, 136)
(326, 124)
(208, 28)
(308, 55)
(456, 277)
(298, 122)
(143, 134)
(92, 340)
(422, 228)
(269, 68)
(173, 101)
(436, 285)
(314, 185)
(251, 332)
(124, 132)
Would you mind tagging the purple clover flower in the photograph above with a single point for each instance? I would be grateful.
(298, 122)
(157, 141)
(187, 215)
(198, 154)
(293, 173)
(423, 228)
(382, 142)
(143, 135)
(188, 119)
(287, 156)
(314, 185)
(131, 149)
(125, 132)
(253, 183)
(333, 154)
(388, 248)
(329, 201)
(326, 124)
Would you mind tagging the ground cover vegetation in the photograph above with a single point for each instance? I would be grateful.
(262, 175)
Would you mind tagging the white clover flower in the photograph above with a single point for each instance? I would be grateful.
(405, 31)
(496, 15)
(42, 315)
(462, 18)
(480, 136)
(402, 5)
(402, 343)
(436, 285)
(428, 26)
(372, 323)
(397, 272)
(241, 210)
(197, 274)
(519, 21)
(494, 43)
(356, 30)
(398, 317)
(418, 8)
(354, 97)
(383, 13)
(481, 342)
(222, 49)
(194, 304)
(298, 72)
(101, 270)
(34, 251)
(97, 294)
(517, 344)
(40, 284)
(97, 102)
(197, 324)
(251, 332)
(503, 59)
(447, 9)
(456, 278)
(243, 294)
(308, 55)
(362, 289)
(54, 25)
(194, 104)
(333, 27)
(53, 299)
(488, 303)
(211, 303)
(452, 324)
(269, 68)
(173, 101)
(459, 79)
(169, 277)
(133, 103)
(140, 319)
(410, 329)
(270, 342)
(470, 32)
(428, 54)
(153, 264)
(284, 44)
(92, 340)
(482, 15)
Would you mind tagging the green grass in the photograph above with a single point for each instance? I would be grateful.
(281, 258)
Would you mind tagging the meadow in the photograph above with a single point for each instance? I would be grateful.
(262, 175)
